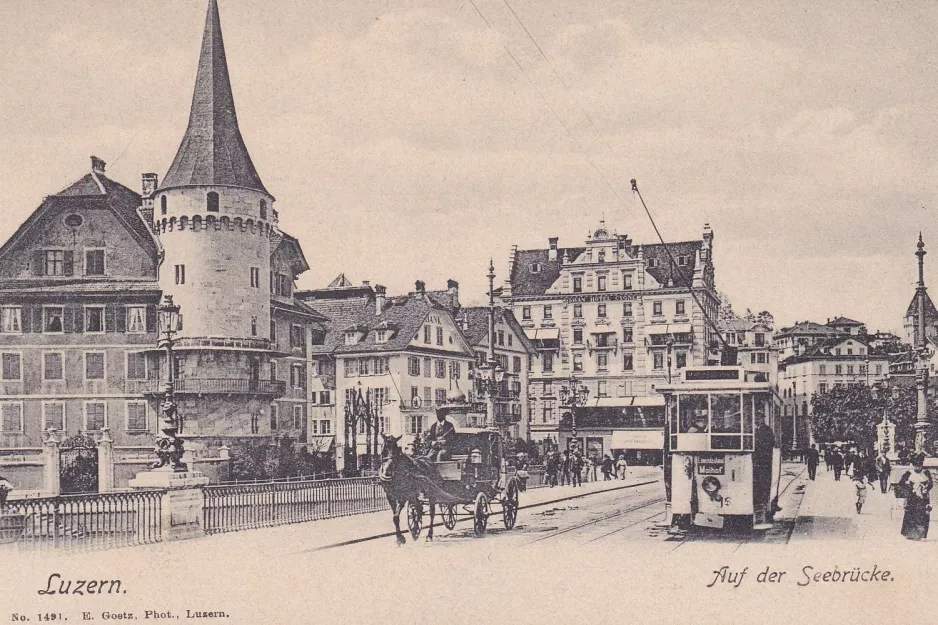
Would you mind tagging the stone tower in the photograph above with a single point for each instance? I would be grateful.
(215, 220)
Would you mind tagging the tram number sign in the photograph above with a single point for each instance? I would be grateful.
(711, 465)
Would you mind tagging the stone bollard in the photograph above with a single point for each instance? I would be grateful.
(51, 484)
(105, 462)
(183, 502)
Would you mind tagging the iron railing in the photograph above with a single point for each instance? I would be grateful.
(248, 506)
(85, 522)
(236, 386)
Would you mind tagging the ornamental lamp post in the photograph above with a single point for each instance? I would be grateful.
(921, 420)
(169, 446)
(573, 394)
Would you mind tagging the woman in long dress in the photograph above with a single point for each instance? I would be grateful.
(917, 484)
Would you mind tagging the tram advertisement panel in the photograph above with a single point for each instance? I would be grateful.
(724, 483)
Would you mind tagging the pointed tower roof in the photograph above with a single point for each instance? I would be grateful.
(212, 151)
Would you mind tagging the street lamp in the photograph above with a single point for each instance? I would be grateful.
(363, 409)
(169, 447)
(573, 394)
(489, 377)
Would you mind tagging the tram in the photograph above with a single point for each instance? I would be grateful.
(722, 458)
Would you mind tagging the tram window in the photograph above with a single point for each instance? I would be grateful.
(726, 441)
(672, 413)
(725, 413)
(694, 411)
(747, 442)
(761, 413)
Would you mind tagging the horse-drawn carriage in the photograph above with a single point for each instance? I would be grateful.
(471, 477)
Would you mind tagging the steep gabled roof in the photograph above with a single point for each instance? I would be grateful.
(533, 272)
(404, 315)
(92, 191)
(474, 323)
(212, 151)
(808, 328)
(844, 321)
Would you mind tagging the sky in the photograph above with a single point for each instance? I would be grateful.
(415, 140)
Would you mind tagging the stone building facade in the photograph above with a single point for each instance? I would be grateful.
(620, 317)
(80, 281)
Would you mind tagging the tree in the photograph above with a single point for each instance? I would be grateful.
(851, 413)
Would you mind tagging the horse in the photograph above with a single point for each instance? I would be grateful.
(404, 479)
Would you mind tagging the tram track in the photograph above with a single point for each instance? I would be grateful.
(438, 524)
(602, 519)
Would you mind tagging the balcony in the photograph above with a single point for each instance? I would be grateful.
(209, 386)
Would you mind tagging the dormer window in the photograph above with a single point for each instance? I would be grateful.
(381, 336)
(601, 256)
(682, 261)
(652, 263)
(351, 338)
(535, 267)
(211, 202)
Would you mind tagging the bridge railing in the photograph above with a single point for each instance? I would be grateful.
(229, 508)
(84, 522)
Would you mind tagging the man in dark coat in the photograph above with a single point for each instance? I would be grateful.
(812, 458)
(837, 463)
(441, 434)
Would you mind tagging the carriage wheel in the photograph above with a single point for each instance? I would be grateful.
(481, 517)
(449, 516)
(414, 518)
(510, 505)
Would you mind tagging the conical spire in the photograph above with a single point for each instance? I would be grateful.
(212, 152)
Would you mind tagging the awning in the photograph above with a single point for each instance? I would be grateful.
(669, 328)
(637, 439)
(541, 334)
(625, 402)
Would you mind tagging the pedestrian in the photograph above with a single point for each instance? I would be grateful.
(565, 468)
(827, 457)
(837, 463)
(551, 468)
(916, 486)
(607, 468)
(812, 458)
(6, 487)
(576, 469)
(883, 470)
(848, 462)
(861, 484)
(622, 467)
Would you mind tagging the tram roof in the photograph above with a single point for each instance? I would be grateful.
(717, 378)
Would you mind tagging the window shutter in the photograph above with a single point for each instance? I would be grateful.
(67, 314)
(179, 323)
(151, 318)
(79, 316)
(39, 258)
(120, 317)
(26, 318)
(109, 318)
(69, 263)
(37, 318)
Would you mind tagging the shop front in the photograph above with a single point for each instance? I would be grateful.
(634, 428)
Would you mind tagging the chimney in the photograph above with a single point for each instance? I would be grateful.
(420, 286)
(552, 252)
(366, 282)
(452, 287)
(97, 165)
(380, 296)
(148, 184)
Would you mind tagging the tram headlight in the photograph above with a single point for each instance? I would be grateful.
(711, 486)
(475, 457)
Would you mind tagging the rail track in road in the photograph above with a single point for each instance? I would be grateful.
(608, 517)
(355, 541)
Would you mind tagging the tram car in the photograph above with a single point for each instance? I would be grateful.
(722, 457)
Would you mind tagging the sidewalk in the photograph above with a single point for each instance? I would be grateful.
(284, 540)
(828, 512)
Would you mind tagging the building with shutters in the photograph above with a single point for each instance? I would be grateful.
(621, 317)
(82, 276)
(405, 354)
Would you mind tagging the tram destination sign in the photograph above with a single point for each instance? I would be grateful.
(711, 464)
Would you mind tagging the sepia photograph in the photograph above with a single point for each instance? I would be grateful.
(468, 311)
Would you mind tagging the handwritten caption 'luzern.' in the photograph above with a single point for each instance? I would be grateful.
(807, 576)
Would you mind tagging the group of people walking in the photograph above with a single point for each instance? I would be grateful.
(865, 471)
(573, 468)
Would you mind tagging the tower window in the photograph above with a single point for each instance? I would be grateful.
(212, 202)
(263, 209)
(255, 277)
(180, 274)
(253, 326)
(163, 205)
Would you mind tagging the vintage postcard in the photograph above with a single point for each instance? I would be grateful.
(467, 311)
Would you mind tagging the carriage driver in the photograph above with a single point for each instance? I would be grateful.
(441, 434)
